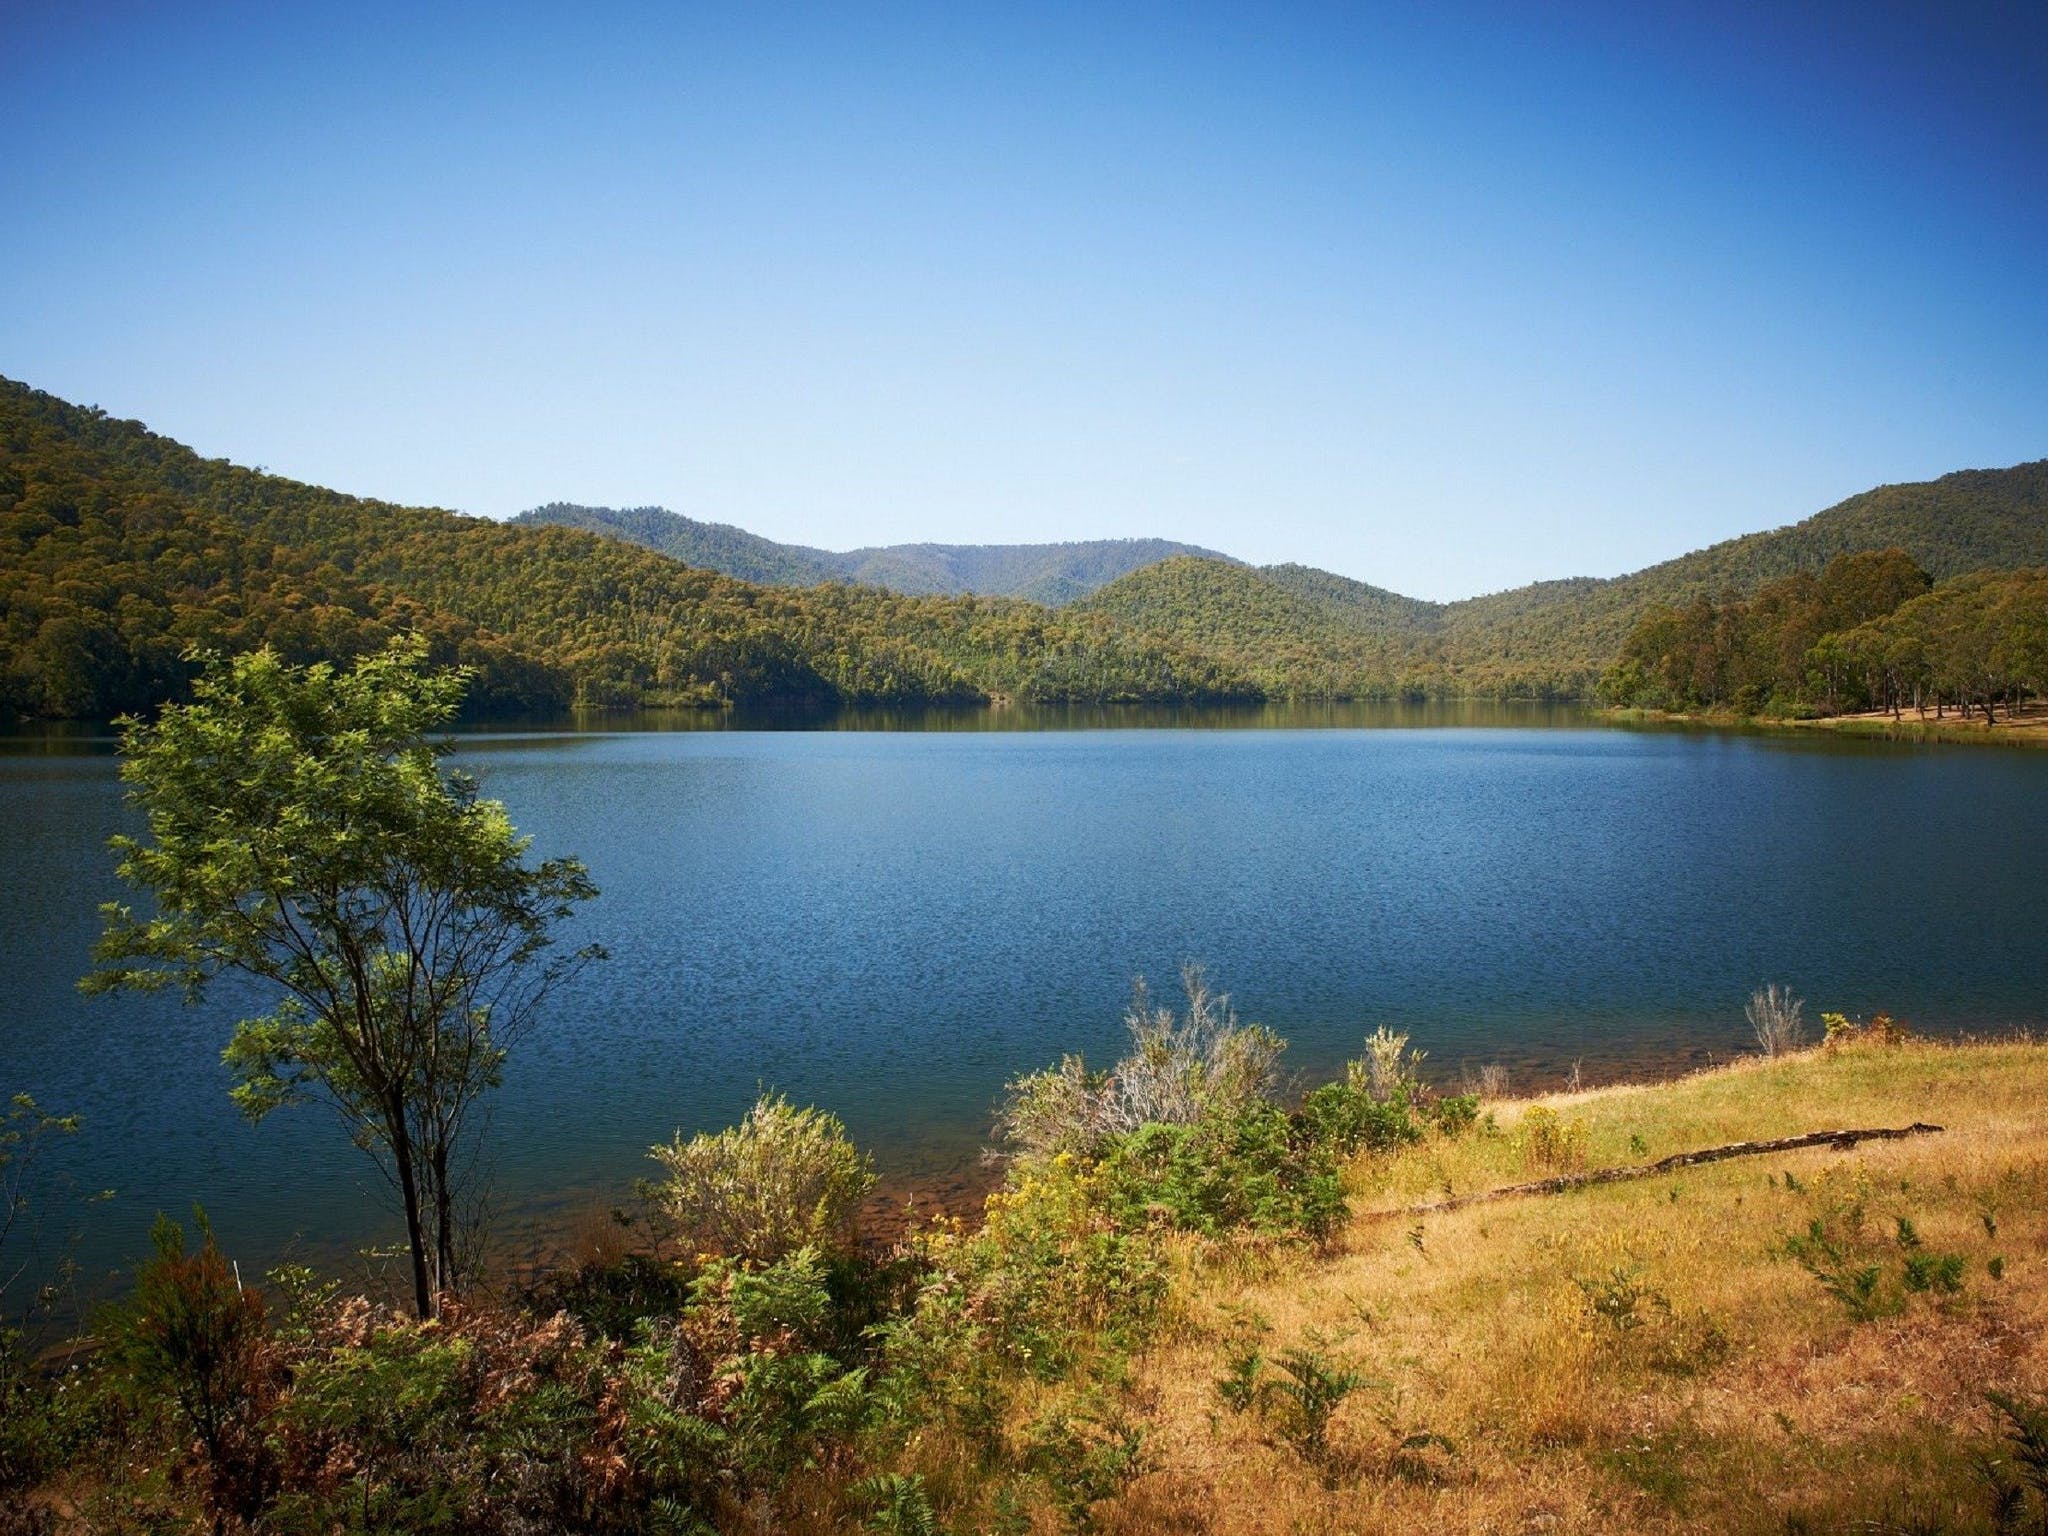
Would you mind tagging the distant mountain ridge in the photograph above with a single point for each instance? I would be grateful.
(1052, 574)
(1303, 632)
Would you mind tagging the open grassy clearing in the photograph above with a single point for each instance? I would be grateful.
(1643, 1355)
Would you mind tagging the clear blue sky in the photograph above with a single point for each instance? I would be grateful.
(1444, 298)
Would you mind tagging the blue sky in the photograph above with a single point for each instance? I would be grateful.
(1446, 298)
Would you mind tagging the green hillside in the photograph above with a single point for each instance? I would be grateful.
(1564, 634)
(1294, 635)
(1304, 632)
(120, 549)
(1353, 603)
(1041, 573)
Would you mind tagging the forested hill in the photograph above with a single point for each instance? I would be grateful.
(1565, 633)
(1292, 629)
(1040, 573)
(121, 549)
(1302, 631)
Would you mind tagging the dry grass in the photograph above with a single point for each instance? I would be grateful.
(1743, 1398)
(2027, 728)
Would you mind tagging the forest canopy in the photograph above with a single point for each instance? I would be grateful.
(1870, 632)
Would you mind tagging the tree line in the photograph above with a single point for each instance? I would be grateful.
(1871, 631)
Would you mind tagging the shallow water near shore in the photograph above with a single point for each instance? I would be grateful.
(892, 915)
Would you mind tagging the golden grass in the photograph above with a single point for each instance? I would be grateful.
(1742, 1397)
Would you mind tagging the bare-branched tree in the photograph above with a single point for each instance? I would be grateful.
(1774, 1013)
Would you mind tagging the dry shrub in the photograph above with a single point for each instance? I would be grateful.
(1489, 1083)
(1181, 1070)
(390, 1421)
(1843, 1032)
(1387, 1067)
(1551, 1144)
(1774, 1013)
(195, 1337)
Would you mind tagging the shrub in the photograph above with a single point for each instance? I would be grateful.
(727, 1402)
(1387, 1068)
(1939, 1272)
(487, 1419)
(1053, 1271)
(897, 1506)
(1550, 1143)
(1346, 1118)
(1062, 1111)
(1242, 1383)
(1455, 1113)
(610, 1297)
(1842, 1031)
(1300, 1401)
(1774, 1013)
(1258, 1170)
(1622, 1297)
(2020, 1482)
(938, 1366)
(1489, 1084)
(1381, 1104)
(1853, 1266)
(782, 1179)
(194, 1338)
(1086, 1453)
(1180, 1070)
(1312, 1388)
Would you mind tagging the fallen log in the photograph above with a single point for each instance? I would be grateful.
(1840, 1140)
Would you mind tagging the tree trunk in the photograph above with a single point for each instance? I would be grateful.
(409, 1192)
(444, 1221)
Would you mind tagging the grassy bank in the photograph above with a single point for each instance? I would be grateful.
(1187, 1308)
(1648, 1355)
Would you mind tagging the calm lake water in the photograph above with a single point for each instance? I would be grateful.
(892, 917)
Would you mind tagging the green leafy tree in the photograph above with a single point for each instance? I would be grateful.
(302, 831)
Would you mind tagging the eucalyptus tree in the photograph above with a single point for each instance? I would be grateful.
(302, 831)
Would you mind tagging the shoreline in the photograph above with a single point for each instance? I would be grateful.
(2028, 728)
(904, 1199)
(1772, 1291)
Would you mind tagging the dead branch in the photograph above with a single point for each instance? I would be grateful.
(1840, 1140)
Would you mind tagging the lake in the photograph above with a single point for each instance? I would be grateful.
(892, 917)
